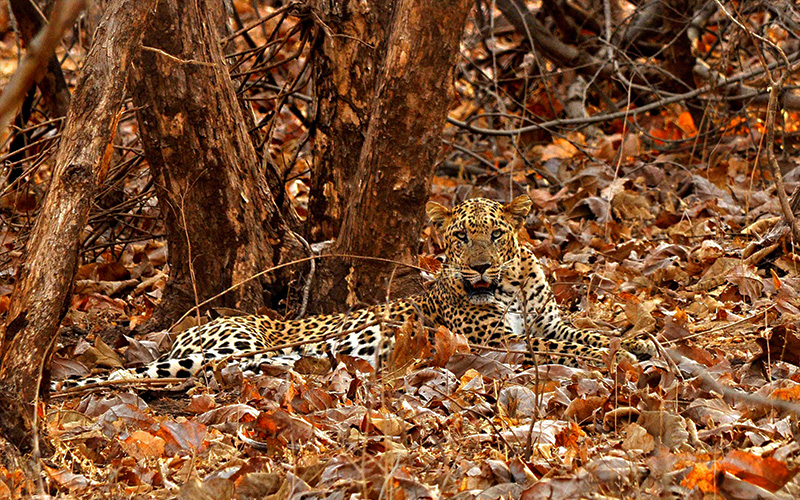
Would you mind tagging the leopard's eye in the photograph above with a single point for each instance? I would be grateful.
(496, 234)
(461, 235)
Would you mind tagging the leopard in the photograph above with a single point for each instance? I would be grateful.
(490, 288)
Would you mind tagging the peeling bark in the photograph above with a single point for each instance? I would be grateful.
(353, 45)
(385, 212)
(222, 224)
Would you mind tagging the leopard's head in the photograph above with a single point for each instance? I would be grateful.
(480, 242)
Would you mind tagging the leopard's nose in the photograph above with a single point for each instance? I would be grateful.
(481, 268)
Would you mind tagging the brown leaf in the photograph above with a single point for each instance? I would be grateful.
(701, 477)
(183, 437)
(459, 364)
(628, 205)
(201, 403)
(228, 413)
(569, 436)
(637, 438)
(747, 281)
(410, 345)
(285, 427)
(668, 428)
(66, 479)
(733, 488)
(517, 401)
(430, 263)
(783, 343)
(581, 409)
(100, 355)
(217, 488)
(447, 343)
(639, 315)
(387, 425)
(259, 485)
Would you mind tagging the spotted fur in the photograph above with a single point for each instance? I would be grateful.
(491, 289)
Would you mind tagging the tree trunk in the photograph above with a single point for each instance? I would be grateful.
(222, 224)
(346, 68)
(386, 208)
(41, 295)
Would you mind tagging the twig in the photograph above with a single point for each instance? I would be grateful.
(36, 57)
(109, 383)
(697, 370)
(309, 278)
(287, 264)
(619, 114)
(775, 89)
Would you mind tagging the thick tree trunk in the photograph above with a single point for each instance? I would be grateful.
(353, 46)
(40, 297)
(386, 208)
(222, 224)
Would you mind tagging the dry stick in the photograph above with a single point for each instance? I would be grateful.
(36, 57)
(73, 391)
(754, 316)
(775, 88)
(697, 370)
(309, 278)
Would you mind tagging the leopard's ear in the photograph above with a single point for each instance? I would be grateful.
(439, 215)
(517, 210)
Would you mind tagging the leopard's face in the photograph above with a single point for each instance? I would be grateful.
(480, 242)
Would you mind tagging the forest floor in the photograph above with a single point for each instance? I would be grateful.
(683, 247)
(652, 247)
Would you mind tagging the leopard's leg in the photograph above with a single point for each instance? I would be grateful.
(642, 349)
(550, 326)
(564, 353)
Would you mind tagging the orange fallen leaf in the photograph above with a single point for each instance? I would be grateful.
(141, 444)
(701, 477)
(766, 472)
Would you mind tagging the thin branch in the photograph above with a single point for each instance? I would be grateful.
(36, 57)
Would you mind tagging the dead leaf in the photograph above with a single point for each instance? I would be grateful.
(782, 343)
(582, 408)
(637, 438)
(765, 472)
(213, 489)
(141, 444)
(668, 428)
(447, 343)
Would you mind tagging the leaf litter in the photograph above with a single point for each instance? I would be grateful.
(636, 242)
(442, 421)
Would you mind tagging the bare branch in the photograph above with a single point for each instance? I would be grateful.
(36, 57)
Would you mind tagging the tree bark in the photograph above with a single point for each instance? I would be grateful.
(386, 209)
(222, 224)
(347, 65)
(40, 298)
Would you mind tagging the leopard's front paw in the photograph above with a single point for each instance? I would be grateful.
(642, 349)
(624, 354)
